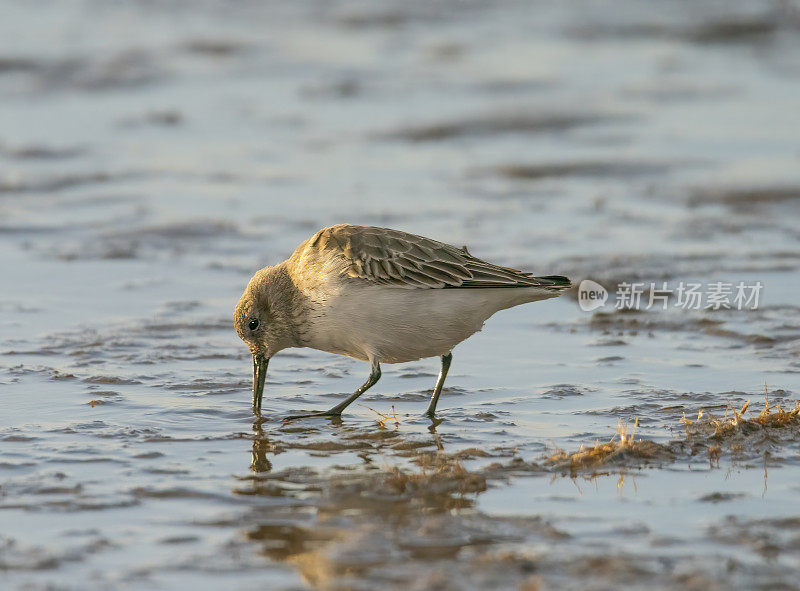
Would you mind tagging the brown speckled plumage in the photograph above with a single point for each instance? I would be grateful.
(392, 257)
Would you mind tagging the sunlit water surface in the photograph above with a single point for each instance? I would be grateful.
(154, 155)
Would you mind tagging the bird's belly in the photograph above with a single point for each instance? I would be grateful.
(395, 325)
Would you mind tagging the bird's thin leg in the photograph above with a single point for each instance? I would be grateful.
(446, 359)
(374, 376)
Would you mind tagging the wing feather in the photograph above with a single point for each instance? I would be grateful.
(400, 259)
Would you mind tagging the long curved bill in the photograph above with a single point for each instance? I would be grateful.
(260, 363)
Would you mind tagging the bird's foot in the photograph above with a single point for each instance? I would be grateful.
(327, 413)
(435, 422)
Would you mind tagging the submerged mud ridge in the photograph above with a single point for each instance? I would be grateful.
(492, 124)
(771, 331)
(579, 169)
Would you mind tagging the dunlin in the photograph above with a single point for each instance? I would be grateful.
(379, 295)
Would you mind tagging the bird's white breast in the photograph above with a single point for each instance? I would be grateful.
(394, 325)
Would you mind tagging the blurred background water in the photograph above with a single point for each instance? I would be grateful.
(153, 155)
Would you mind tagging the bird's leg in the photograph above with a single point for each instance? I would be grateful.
(374, 376)
(446, 359)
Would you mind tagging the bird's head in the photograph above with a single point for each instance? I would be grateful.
(263, 320)
(251, 316)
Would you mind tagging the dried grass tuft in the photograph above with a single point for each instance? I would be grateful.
(622, 449)
(740, 430)
(736, 425)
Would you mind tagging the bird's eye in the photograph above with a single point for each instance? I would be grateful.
(253, 324)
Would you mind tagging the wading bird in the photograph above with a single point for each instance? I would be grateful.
(379, 295)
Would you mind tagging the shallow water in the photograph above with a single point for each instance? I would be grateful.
(154, 155)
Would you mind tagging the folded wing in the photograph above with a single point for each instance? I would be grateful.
(392, 257)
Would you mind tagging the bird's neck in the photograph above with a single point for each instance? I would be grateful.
(289, 306)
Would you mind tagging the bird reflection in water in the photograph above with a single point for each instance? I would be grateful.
(261, 447)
